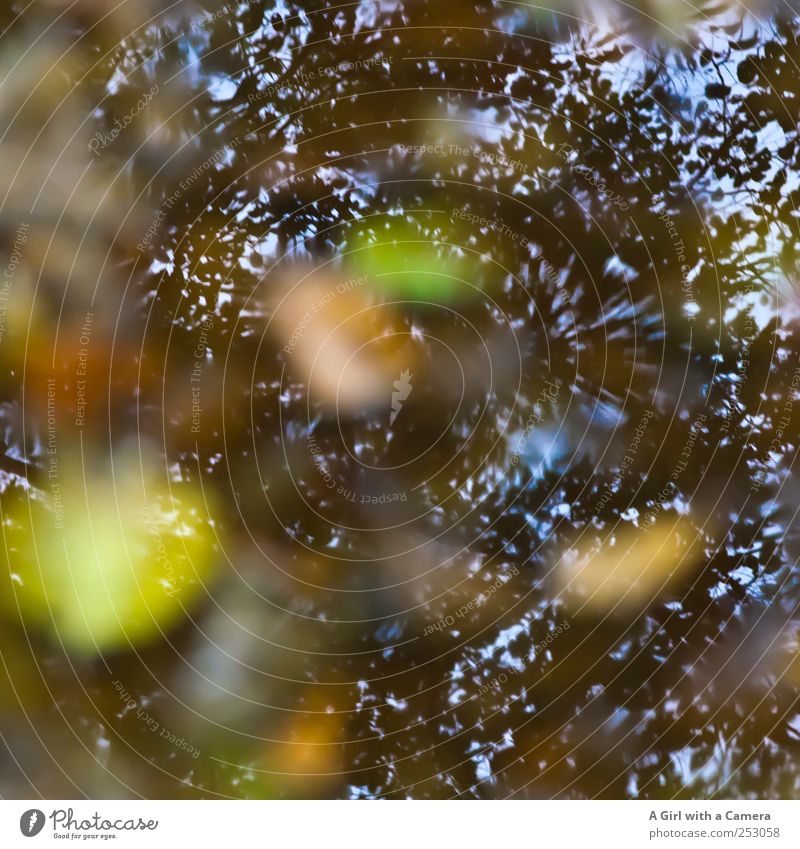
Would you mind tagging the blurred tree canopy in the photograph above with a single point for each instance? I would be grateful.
(642, 194)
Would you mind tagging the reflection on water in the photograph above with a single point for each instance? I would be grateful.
(399, 400)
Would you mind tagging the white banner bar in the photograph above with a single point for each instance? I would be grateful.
(400, 825)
